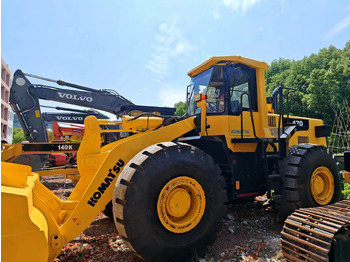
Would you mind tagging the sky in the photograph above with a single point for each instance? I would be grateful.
(144, 49)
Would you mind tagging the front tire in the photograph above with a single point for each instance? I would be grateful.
(168, 202)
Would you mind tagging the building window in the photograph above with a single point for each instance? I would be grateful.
(7, 79)
(9, 130)
(6, 113)
(3, 73)
(10, 116)
(2, 92)
(4, 131)
(6, 96)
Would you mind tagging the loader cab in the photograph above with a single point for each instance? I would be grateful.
(231, 89)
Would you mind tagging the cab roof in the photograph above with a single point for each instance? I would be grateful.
(223, 60)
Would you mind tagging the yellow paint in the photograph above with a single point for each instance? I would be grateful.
(260, 118)
(322, 185)
(14, 175)
(346, 176)
(181, 204)
(55, 172)
(203, 105)
(23, 226)
(141, 123)
(10, 153)
(310, 133)
(237, 185)
(269, 109)
(235, 59)
(221, 126)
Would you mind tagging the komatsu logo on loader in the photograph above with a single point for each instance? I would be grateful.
(107, 182)
(75, 97)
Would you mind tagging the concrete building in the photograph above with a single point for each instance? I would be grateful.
(6, 112)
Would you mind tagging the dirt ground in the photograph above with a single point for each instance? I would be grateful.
(251, 232)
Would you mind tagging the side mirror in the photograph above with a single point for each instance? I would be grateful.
(236, 108)
(188, 92)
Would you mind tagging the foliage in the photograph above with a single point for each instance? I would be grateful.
(181, 108)
(346, 190)
(322, 81)
(18, 135)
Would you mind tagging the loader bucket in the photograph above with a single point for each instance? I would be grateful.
(24, 229)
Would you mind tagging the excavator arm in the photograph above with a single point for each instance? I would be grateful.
(24, 100)
(74, 116)
(25, 96)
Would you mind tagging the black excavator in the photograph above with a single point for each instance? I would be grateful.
(25, 102)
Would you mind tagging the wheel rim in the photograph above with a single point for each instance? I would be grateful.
(181, 204)
(322, 185)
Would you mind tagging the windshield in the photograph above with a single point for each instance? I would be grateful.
(210, 83)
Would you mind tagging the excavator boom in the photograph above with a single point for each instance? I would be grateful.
(25, 96)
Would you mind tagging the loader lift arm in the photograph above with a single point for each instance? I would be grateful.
(70, 217)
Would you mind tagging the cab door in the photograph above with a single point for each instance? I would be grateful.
(248, 174)
(242, 99)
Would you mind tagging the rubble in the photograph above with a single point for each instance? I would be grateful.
(251, 233)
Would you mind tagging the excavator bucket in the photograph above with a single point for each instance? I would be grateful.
(24, 235)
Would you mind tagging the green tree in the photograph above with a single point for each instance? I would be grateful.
(181, 108)
(322, 81)
(18, 135)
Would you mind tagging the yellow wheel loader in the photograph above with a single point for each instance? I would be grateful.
(170, 182)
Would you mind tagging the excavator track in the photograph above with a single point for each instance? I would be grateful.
(318, 234)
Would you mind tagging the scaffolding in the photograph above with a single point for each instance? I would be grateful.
(339, 140)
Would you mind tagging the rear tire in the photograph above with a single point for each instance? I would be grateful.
(302, 163)
(136, 199)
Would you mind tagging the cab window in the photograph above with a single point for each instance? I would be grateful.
(210, 83)
(243, 88)
(216, 91)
